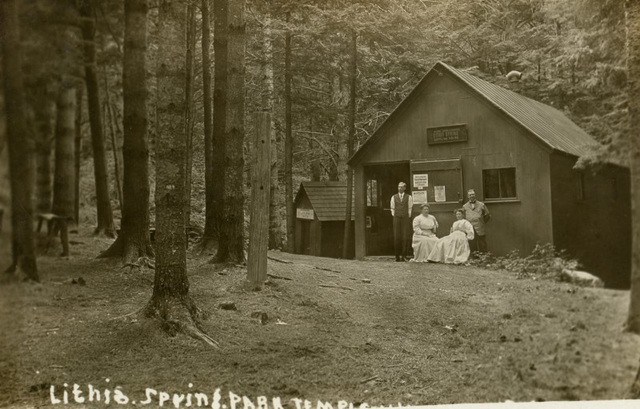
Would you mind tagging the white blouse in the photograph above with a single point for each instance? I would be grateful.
(463, 226)
(425, 226)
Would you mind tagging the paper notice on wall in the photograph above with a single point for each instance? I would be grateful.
(420, 181)
(419, 196)
(439, 193)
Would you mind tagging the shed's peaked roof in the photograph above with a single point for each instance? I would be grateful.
(329, 199)
(551, 126)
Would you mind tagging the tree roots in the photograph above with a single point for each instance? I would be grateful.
(178, 316)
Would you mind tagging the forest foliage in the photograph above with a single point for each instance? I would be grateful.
(571, 54)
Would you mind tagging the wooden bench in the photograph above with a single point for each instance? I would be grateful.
(56, 224)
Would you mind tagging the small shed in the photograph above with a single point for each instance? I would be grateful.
(320, 215)
(454, 132)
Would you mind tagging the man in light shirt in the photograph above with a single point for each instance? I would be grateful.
(478, 215)
(401, 205)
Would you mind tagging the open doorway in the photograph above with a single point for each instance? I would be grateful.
(382, 183)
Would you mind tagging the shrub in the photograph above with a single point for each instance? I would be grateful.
(544, 261)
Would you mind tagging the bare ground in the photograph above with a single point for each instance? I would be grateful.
(415, 334)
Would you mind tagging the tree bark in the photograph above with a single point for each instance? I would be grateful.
(171, 261)
(133, 241)
(288, 143)
(64, 178)
(275, 229)
(260, 181)
(231, 236)
(114, 136)
(20, 153)
(105, 216)
(632, 8)
(189, 106)
(44, 108)
(209, 225)
(78, 154)
(351, 139)
(220, 85)
(170, 301)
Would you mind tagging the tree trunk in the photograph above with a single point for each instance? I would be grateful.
(220, 85)
(44, 108)
(77, 154)
(353, 72)
(189, 107)
(209, 224)
(170, 301)
(275, 229)
(231, 236)
(288, 143)
(105, 216)
(133, 241)
(20, 153)
(633, 97)
(64, 178)
(260, 181)
(114, 136)
(315, 167)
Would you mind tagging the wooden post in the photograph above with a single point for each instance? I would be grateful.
(260, 182)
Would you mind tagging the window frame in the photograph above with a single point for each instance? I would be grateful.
(500, 198)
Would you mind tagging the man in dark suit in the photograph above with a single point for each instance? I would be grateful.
(401, 204)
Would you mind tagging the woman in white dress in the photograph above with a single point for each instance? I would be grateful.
(424, 234)
(454, 248)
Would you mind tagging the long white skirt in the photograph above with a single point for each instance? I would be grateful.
(422, 246)
(453, 248)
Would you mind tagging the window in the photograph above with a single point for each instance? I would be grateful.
(372, 193)
(499, 183)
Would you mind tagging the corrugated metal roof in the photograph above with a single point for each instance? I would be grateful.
(552, 126)
(329, 199)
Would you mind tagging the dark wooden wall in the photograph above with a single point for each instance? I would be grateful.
(314, 230)
(494, 141)
(593, 226)
(333, 239)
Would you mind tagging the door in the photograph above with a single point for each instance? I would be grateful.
(381, 184)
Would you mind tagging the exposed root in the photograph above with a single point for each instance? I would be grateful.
(140, 263)
(106, 232)
(206, 246)
(134, 255)
(179, 316)
(279, 260)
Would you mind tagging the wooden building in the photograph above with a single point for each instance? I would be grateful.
(454, 132)
(320, 214)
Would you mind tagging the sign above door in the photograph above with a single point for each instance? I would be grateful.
(447, 134)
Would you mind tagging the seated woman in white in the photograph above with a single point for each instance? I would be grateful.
(454, 248)
(424, 234)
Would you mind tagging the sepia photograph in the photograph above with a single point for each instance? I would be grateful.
(320, 204)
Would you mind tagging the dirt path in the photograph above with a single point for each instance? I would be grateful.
(363, 331)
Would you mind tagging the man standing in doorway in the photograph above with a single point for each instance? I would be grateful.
(478, 215)
(401, 205)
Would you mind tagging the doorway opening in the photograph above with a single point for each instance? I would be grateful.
(381, 184)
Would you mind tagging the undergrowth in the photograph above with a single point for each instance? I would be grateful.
(544, 261)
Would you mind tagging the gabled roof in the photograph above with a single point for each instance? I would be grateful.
(328, 199)
(552, 127)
